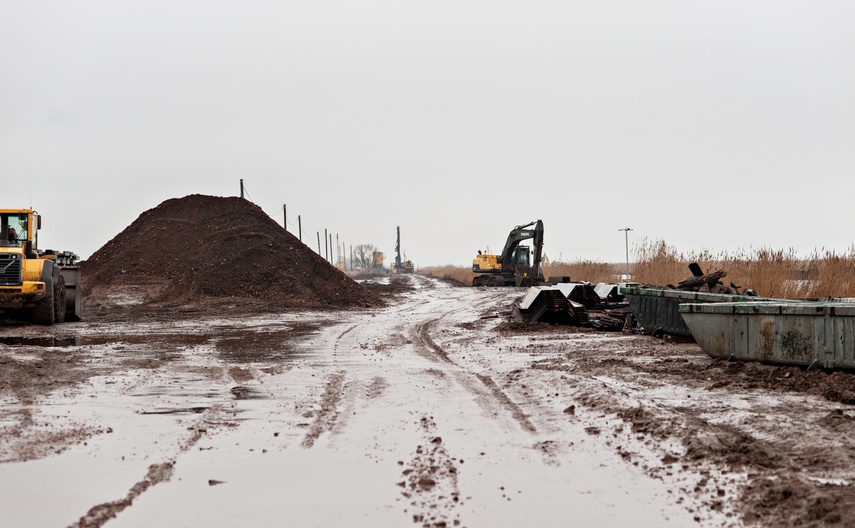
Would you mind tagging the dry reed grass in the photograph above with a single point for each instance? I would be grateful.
(459, 274)
(779, 273)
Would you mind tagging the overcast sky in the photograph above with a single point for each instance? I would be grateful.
(710, 125)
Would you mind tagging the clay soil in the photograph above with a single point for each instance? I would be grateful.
(225, 375)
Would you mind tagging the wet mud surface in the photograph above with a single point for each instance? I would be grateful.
(433, 409)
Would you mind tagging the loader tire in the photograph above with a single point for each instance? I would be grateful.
(59, 300)
(43, 312)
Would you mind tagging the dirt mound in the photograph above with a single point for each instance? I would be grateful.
(204, 248)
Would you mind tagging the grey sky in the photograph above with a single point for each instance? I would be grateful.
(718, 125)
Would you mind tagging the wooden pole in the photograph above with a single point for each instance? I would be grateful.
(300, 227)
(241, 187)
(285, 216)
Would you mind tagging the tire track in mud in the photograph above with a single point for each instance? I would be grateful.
(98, 515)
(506, 402)
(433, 351)
(325, 418)
(494, 392)
(430, 481)
(347, 331)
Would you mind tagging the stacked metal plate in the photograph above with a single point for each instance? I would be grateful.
(550, 304)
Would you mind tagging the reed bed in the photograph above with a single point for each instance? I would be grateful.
(779, 273)
(459, 274)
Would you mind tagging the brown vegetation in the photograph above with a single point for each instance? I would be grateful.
(459, 274)
(771, 272)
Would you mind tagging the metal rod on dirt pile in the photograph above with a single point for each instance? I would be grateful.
(319, 242)
(241, 187)
(300, 227)
(626, 231)
(285, 216)
(326, 247)
(331, 255)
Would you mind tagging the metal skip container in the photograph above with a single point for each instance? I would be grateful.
(656, 309)
(794, 333)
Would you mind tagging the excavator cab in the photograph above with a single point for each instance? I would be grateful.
(522, 256)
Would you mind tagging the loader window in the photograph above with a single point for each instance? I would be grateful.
(13, 230)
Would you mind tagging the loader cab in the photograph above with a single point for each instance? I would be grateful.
(13, 229)
(19, 229)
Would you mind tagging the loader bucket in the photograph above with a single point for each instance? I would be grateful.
(73, 296)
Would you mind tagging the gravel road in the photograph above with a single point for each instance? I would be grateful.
(432, 411)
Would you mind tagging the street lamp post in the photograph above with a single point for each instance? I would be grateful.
(626, 231)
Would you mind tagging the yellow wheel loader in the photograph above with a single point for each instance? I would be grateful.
(37, 286)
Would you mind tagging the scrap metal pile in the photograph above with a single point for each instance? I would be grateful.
(575, 304)
(709, 283)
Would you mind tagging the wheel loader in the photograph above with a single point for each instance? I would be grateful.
(514, 266)
(36, 286)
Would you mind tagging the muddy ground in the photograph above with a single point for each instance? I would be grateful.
(433, 410)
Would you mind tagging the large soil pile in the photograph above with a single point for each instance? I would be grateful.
(204, 248)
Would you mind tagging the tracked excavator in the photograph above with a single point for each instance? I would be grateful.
(517, 265)
(36, 286)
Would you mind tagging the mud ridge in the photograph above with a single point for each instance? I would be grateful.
(325, 418)
(100, 514)
(430, 482)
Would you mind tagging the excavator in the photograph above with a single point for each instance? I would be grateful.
(37, 286)
(514, 266)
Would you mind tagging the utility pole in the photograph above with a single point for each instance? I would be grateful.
(626, 231)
